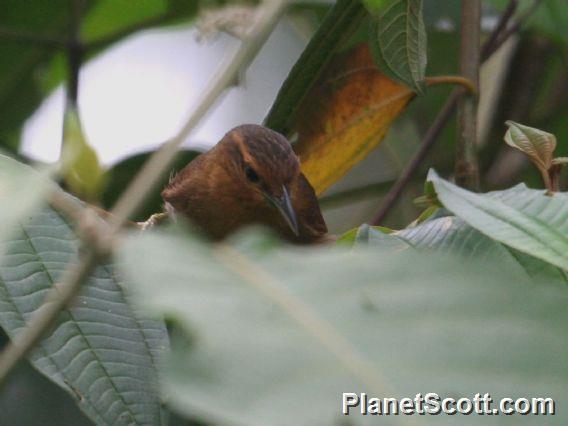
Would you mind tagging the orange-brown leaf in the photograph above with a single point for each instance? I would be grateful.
(346, 116)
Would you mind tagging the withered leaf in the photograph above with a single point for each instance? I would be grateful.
(348, 113)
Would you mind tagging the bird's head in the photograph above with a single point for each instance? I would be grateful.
(263, 165)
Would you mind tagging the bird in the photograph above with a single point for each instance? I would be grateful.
(251, 176)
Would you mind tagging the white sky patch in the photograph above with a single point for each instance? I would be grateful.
(138, 93)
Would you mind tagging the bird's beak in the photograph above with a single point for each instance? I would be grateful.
(284, 205)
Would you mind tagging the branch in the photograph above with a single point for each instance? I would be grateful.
(61, 294)
(444, 117)
(467, 167)
(428, 142)
(492, 42)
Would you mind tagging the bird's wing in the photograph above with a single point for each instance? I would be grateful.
(307, 209)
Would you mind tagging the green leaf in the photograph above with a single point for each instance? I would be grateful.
(538, 145)
(102, 351)
(375, 6)
(28, 71)
(351, 237)
(21, 190)
(398, 39)
(21, 63)
(526, 220)
(243, 356)
(107, 17)
(451, 235)
(82, 172)
(29, 398)
(339, 23)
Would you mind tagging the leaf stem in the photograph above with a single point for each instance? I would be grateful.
(453, 79)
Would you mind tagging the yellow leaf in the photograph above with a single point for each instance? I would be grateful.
(346, 116)
(82, 171)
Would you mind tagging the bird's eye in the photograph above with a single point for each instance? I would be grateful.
(251, 174)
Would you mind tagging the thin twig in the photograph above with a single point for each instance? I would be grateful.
(508, 31)
(62, 294)
(428, 142)
(96, 246)
(443, 117)
(489, 46)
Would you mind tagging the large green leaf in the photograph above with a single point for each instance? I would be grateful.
(528, 221)
(339, 23)
(451, 235)
(21, 190)
(390, 324)
(29, 398)
(398, 39)
(102, 351)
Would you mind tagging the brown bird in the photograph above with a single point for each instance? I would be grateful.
(251, 176)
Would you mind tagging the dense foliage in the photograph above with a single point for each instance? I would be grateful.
(470, 296)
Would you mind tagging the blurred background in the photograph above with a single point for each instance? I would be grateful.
(153, 58)
(139, 87)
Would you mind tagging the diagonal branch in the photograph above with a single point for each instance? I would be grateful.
(492, 42)
(268, 14)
